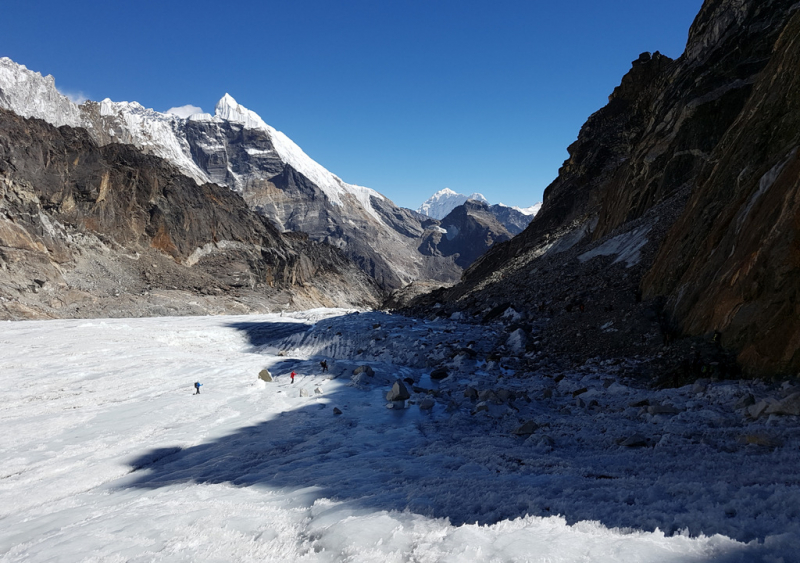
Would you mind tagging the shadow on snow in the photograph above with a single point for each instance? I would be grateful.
(380, 459)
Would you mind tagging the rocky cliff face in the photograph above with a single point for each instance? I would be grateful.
(236, 148)
(466, 233)
(87, 230)
(731, 263)
(676, 211)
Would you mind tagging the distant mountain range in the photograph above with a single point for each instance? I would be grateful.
(444, 201)
(235, 148)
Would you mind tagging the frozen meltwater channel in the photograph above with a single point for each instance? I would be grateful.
(107, 455)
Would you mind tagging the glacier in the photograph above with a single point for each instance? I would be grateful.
(118, 461)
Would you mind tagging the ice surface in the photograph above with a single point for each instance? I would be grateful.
(107, 455)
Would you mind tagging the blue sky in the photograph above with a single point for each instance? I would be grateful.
(406, 97)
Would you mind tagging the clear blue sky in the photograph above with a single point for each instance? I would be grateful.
(406, 97)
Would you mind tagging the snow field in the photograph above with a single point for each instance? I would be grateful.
(107, 455)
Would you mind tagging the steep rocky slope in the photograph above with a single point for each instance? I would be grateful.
(88, 230)
(236, 148)
(468, 231)
(618, 263)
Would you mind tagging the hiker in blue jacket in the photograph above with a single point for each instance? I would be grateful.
(197, 385)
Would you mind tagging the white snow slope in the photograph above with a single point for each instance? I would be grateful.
(108, 456)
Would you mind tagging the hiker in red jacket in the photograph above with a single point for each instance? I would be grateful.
(293, 374)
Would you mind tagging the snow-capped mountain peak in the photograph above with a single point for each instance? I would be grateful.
(30, 94)
(444, 201)
(230, 110)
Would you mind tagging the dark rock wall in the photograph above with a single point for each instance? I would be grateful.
(472, 229)
(717, 128)
(732, 261)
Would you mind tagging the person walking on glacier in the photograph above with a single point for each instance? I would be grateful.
(197, 386)
(292, 376)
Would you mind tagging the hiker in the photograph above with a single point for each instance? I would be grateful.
(197, 386)
(292, 376)
(324, 364)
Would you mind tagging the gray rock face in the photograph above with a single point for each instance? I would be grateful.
(471, 229)
(514, 221)
(265, 375)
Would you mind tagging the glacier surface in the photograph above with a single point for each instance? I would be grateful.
(108, 456)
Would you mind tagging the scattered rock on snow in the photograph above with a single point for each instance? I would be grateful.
(489, 396)
(746, 401)
(758, 409)
(304, 393)
(506, 395)
(318, 391)
(788, 406)
(361, 379)
(760, 439)
(635, 441)
(526, 429)
(265, 375)
(516, 341)
(399, 392)
(427, 403)
(662, 409)
(439, 373)
(336, 411)
(471, 393)
(364, 369)
(580, 391)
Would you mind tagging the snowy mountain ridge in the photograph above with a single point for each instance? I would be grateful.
(237, 149)
(30, 94)
(440, 204)
(444, 201)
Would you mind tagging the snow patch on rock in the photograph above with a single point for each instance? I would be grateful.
(627, 247)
